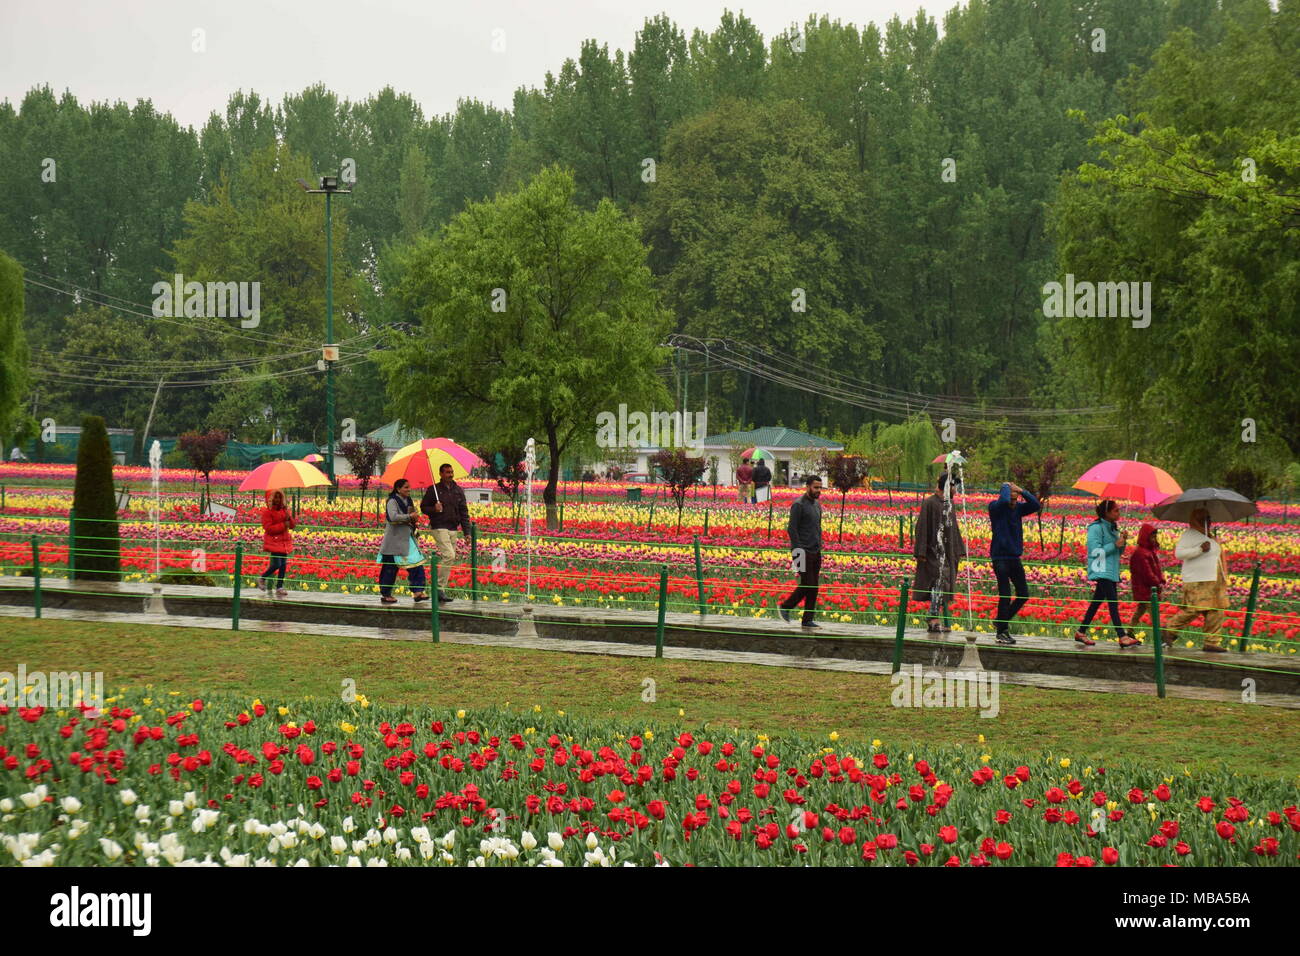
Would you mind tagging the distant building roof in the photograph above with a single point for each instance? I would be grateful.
(394, 435)
(770, 437)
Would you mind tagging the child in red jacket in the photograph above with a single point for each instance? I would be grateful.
(278, 542)
(1145, 570)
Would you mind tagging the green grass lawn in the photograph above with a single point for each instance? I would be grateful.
(1090, 728)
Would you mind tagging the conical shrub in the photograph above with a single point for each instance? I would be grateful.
(97, 543)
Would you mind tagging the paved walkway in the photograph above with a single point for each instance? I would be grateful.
(560, 645)
(620, 617)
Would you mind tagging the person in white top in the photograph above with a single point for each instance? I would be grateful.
(1205, 582)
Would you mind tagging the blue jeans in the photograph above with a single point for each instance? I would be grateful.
(388, 575)
(279, 562)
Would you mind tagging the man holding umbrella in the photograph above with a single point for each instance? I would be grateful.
(445, 505)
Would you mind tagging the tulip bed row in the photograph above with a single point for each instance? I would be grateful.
(602, 559)
(151, 780)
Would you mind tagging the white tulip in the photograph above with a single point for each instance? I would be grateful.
(6, 805)
(128, 797)
(240, 859)
(111, 850)
(142, 813)
(403, 853)
(360, 846)
(391, 835)
(376, 861)
(426, 850)
(77, 828)
(30, 800)
(191, 800)
(274, 846)
(174, 855)
(592, 842)
(348, 825)
(175, 808)
(251, 825)
(527, 840)
(278, 829)
(289, 841)
(420, 834)
(338, 845)
(555, 841)
(353, 861)
(70, 804)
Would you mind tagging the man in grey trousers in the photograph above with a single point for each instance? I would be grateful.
(805, 531)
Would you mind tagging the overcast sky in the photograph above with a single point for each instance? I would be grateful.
(437, 51)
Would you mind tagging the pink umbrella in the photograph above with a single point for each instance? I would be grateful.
(1129, 481)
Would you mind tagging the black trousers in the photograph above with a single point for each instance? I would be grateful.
(806, 592)
(1107, 591)
(388, 576)
(1010, 573)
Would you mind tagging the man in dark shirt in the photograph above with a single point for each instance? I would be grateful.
(1005, 548)
(448, 511)
(762, 481)
(805, 530)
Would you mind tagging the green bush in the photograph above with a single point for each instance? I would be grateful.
(97, 545)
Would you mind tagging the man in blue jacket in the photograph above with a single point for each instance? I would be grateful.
(1005, 549)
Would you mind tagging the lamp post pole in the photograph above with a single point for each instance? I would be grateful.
(329, 340)
(329, 185)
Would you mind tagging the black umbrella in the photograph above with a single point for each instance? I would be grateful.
(1221, 503)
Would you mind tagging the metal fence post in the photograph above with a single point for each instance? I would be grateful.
(1159, 646)
(72, 543)
(663, 607)
(706, 522)
(901, 624)
(432, 590)
(699, 579)
(1249, 622)
(473, 562)
(239, 581)
(36, 576)
(769, 515)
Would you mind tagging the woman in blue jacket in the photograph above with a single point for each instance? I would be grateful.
(1105, 547)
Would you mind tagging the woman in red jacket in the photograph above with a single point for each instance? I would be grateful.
(278, 542)
(1146, 573)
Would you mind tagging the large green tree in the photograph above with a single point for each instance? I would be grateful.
(1197, 195)
(762, 233)
(576, 327)
(13, 348)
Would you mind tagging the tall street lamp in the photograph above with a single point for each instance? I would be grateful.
(329, 185)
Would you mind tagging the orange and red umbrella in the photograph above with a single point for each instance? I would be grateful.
(283, 474)
(420, 461)
(1128, 481)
